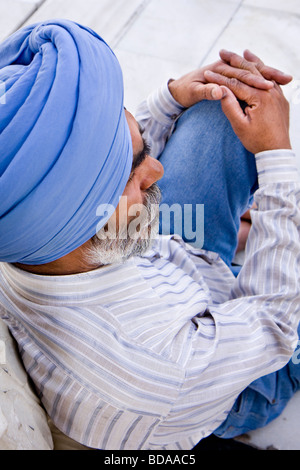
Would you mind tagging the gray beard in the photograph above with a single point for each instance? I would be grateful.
(107, 249)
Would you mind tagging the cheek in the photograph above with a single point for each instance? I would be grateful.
(131, 196)
(133, 193)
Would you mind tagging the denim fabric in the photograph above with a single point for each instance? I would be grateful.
(205, 163)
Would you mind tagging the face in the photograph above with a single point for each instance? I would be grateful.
(135, 222)
(145, 170)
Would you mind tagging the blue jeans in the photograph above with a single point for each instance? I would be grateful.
(205, 163)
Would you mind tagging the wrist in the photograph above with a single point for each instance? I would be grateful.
(173, 90)
(272, 146)
(275, 138)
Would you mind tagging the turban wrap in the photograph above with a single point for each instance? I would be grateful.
(65, 146)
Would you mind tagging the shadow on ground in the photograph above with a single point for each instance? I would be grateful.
(214, 443)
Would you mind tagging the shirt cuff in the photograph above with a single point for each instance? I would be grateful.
(163, 107)
(277, 166)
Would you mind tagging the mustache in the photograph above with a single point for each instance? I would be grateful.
(153, 197)
(139, 217)
(107, 249)
(148, 215)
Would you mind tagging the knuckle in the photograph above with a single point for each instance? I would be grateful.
(244, 64)
(232, 82)
(260, 67)
(244, 75)
(250, 69)
(222, 68)
(206, 92)
(254, 68)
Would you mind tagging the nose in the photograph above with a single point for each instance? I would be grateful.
(152, 172)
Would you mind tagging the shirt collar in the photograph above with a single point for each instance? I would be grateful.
(64, 289)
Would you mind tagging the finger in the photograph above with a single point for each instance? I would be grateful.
(242, 91)
(232, 109)
(255, 80)
(211, 92)
(252, 57)
(251, 62)
(239, 62)
(269, 73)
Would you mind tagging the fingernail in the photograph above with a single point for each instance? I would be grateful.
(224, 91)
(224, 94)
(214, 93)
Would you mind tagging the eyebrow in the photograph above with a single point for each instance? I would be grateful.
(140, 157)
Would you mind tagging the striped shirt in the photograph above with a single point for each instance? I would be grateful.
(151, 354)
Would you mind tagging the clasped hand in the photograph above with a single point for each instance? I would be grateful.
(263, 124)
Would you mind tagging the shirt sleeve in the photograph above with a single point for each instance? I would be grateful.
(269, 279)
(157, 116)
(254, 332)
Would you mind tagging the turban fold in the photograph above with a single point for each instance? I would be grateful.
(65, 146)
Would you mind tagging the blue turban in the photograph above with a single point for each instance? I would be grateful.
(65, 143)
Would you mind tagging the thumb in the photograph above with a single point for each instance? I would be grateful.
(210, 91)
(232, 108)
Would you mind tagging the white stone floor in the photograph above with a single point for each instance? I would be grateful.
(158, 39)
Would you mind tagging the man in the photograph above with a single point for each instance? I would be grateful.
(155, 351)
